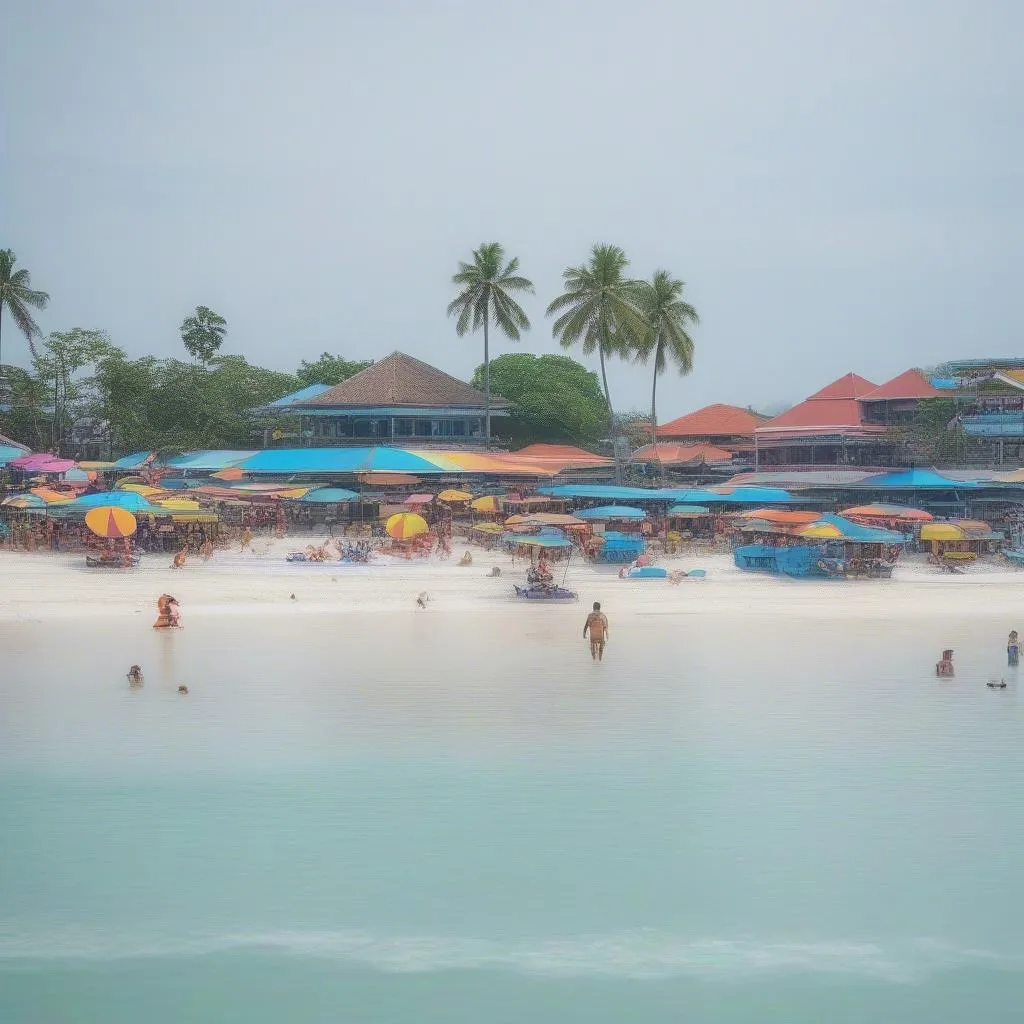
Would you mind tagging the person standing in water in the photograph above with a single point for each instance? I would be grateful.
(597, 626)
(1013, 649)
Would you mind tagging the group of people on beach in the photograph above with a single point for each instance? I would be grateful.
(944, 666)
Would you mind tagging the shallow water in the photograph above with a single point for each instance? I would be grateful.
(437, 817)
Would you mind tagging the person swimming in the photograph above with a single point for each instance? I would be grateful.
(1013, 649)
(996, 684)
(169, 614)
(135, 676)
(182, 688)
(944, 666)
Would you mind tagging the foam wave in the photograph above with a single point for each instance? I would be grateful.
(637, 955)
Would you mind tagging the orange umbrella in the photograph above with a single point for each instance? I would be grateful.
(406, 525)
(488, 503)
(110, 521)
(231, 473)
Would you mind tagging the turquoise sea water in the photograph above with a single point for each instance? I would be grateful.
(449, 818)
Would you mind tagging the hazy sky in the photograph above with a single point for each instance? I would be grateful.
(839, 183)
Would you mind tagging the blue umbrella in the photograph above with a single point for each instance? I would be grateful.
(119, 499)
(328, 496)
(611, 512)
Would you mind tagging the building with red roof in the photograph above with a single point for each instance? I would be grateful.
(723, 426)
(845, 423)
(561, 457)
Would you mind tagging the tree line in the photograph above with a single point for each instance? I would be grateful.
(80, 375)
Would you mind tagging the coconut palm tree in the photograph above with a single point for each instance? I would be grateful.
(18, 296)
(486, 285)
(666, 337)
(599, 309)
(202, 334)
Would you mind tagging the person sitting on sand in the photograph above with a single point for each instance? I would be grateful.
(466, 559)
(135, 676)
(944, 667)
(1013, 649)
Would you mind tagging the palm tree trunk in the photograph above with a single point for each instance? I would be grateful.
(654, 416)
(604, 381)
(487, 380)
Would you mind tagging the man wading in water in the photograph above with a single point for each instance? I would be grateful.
(597, 626)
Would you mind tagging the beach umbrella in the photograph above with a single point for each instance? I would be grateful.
(406, 525)
(110, 521)
(488, 503)
(294, 492)
(453, 495)
(488, 528)
(55, 466)
(783, 517)
(124, 483)
(881, 510)
(537, 541)
(329, 496)
(79, 475)
(822, 531)
(231, 473)
(941, 531)
(93, 464)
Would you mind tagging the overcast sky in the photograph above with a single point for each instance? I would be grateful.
(839, 183)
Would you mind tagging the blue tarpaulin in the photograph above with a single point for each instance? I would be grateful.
(8, 452)
(212, 461)
(915, 479)
(611, 512)
(132, 461)
(119, 499)
(609, 492)
(328, 496)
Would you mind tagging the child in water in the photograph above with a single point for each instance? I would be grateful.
(944, 667)
(1013, 649)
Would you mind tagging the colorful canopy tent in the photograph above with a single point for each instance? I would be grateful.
(24, 501)
(488, 503)
(117, 499)
(612, 512)
(418, 499)
(880, 510)
(744, 495)
(144, 489)
(52, 497)
(941, 531)
(610, 492)
(231, 473)
(134, 461)
(488, 528)
(689, 511)
(328, 496)
(110, 522)
(454, 496)
(832, 527)
(544, 519)
(211, 460)
(178, 504)
(95, 465)
(959, 529)
(914, 479)
(780, 516)
(406, 526)
(77, 475)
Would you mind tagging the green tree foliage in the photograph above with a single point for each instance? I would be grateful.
(202, 334)
(18, 297)
(165, 403)
(486, 291)
(666, 338)
(557, 399)
(329, 369)
(935, 434)
(599, 309)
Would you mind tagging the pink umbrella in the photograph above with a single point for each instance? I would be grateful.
(55, 465)
(25, 461)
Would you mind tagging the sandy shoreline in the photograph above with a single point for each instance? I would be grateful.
(43, 586)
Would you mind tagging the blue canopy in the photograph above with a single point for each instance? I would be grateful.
(119, 499)
(608, 492)
(303, 395)
(336, 460)
(328, 496)
(611, 512)
(863, 534)
(214, 460)
(132, 461)
(689, 510)
(915, 479)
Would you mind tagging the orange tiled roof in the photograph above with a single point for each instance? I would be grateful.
(909, 384)
(714, 421)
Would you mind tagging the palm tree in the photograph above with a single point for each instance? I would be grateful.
(486, 285)
(666, 319)
(600, 309)
(17, 294)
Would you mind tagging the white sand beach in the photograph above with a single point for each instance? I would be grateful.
(41, 586)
